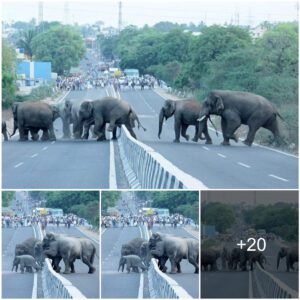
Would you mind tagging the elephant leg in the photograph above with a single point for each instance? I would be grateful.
(114, 137)
(184, 128)
(23, 133)
(272, 125)
(251, 134)
(34, 135)
(229, 126)
(112, 124)
(173, 266)
(177, 126)
(86, 261)
(51, 133)
(72, 267)
(45, 136)
(195, 264)
(178, 267)
(207, 136)
(129, 128)
(67, 265)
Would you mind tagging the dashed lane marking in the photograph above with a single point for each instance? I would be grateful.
(279, 178)
(244, 165)
(52, 142)
(34, 155)
(18, 165)
(221, 155)
(45, 148)
(205, 148)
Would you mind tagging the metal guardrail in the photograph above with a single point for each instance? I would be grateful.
(54, 285)
(146, 168)
(161, 285)
(265, 285)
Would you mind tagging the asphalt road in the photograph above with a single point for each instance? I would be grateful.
(116, 284)
(216, 166)
(236, 284)
(88, 284)
(73, 164)
(15, 285)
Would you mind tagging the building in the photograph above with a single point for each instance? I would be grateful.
(258, 31)
(31, 73)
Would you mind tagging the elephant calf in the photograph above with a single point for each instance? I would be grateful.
(132, 261)
(25, 261)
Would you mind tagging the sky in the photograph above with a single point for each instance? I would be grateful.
(150, 12)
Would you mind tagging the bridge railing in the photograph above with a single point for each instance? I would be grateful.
(55, 285)
(265, 285)
(146, 168)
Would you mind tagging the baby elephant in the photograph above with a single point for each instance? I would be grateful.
(25, 261)
(132, 261)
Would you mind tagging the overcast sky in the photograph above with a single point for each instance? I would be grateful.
(152, 11)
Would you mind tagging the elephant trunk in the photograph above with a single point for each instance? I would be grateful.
(15, 128)
(161, 120)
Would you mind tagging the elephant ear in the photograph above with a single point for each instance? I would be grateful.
(219, 104)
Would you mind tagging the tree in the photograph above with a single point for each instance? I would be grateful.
(25, 42)
(218, 214)
(8, 74)
(61, 45)
(7, 197)
(109, 199)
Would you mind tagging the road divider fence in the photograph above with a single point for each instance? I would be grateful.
(55, 285)
(265, 285)
(146, 168)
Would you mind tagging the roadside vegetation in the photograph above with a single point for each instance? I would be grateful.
(7, 198)
(218, 58)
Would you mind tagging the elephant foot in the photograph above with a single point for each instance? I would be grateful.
(235, 138)
(92, 270)
(195, 140)
(187, 137)
(225, 143)
(66, 272)
(247, 143)
(114, 138)
(101, 138)
(176, 141)
(173, 272)
(208, 142)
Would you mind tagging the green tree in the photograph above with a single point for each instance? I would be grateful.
(109, 199)
(219, 214)
(61, 45)
(25, 42)
(8, 74)
(7, 198)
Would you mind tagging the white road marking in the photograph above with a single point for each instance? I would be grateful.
(18, 165)
(205, 148)
(141, 287)
(221, 155)
(244, 165)
(145, 101)
(34, 287)
(45, 148)
(52, 142)
(34, 155)
(279, 178)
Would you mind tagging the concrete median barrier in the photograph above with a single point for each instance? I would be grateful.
(146, 168)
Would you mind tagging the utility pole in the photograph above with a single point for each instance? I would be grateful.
(66, 13)
(120, 17)
(41, 13)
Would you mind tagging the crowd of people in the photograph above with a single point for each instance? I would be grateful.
(16, 221)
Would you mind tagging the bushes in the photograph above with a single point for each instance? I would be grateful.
(38, 93)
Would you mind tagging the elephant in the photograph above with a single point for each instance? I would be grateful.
(258, 257)
(175, 248)
(146, 257)
(291, 254)
(209, 258)
(70, 248)
(236, 108)
(34, 116)
(107, 110)
(132, 261)
(238, 258)
(25, 261)
(27, 247)
(131, 248)
(186, 113)
(4, 131)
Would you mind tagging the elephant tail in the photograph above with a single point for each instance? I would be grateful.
(280, 116)
(93, 255)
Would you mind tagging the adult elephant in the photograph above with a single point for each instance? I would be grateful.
(70, 249)
(107, 110)
(209, 257)
(34, 116)
(186, 113)
(176, 249)
(291, 254)
(236, 108)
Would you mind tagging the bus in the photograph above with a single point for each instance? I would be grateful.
(56, 212)
(162, 212)
(132, 73)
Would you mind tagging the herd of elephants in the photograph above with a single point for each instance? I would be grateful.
(234, 108)
(137, 253)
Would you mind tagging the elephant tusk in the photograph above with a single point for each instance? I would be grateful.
(201, 119)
